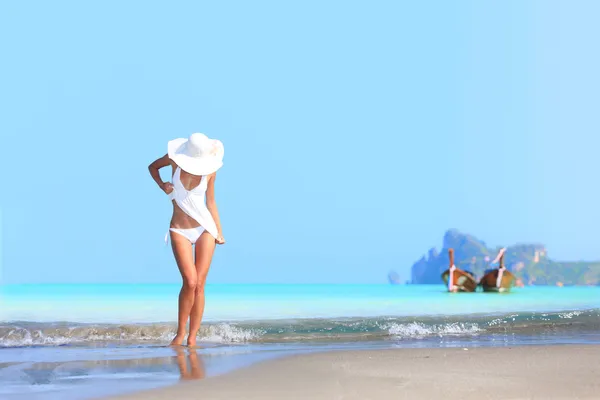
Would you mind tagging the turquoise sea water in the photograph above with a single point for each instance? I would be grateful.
(128, 303)
(80, 341)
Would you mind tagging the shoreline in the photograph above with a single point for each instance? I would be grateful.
(519, 372)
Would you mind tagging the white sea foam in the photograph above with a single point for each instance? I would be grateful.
(226, 333)
(570, 315)
(418, 330)
(15, 336)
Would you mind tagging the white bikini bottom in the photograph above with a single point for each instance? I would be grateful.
(191, 234)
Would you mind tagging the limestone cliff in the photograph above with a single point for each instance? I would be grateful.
(529, 262)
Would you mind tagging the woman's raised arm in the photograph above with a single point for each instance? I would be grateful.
(154, 168)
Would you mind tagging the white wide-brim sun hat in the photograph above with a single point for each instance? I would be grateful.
(197, 155)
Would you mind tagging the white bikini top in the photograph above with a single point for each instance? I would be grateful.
(193, 202)
(198, 190)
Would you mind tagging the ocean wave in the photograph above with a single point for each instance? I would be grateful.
(420, 330)
(229, 333)
(32, 334)
(17, 334)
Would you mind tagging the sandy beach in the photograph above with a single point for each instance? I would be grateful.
(533, 372)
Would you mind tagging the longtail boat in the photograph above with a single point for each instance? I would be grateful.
(456, 279)
(499, 279)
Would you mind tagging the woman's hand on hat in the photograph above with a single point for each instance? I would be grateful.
(220, 239)
(167, 187)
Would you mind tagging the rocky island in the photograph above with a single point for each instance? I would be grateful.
(528, 262)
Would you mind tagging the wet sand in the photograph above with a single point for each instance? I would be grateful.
(532, 372)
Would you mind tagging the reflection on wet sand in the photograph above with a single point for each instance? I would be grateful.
(196, 368)
(44, 372)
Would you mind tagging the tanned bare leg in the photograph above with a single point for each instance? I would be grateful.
(205, 248)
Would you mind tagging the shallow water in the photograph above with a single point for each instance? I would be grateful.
(157, 303)
(81, 341)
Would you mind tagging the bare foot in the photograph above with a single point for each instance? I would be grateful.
(191, 342)
(177, 340)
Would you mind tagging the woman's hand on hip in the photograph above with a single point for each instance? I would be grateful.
(220, 239)
(167, 187)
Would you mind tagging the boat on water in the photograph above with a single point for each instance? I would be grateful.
(456, 279)
(499, 279)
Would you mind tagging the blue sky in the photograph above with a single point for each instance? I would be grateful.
(355, 133)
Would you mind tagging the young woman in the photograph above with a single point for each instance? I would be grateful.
(195, 228)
